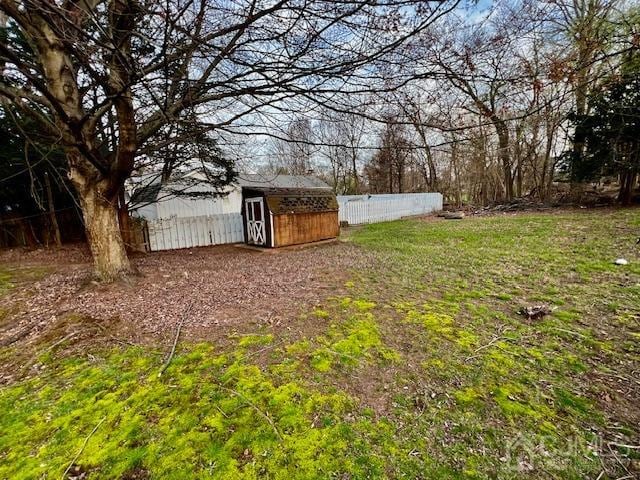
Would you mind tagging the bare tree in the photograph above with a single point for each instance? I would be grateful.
(477, 62)
(342, 136)
(292, 152)
(107, 78)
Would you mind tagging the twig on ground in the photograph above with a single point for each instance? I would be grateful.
(619, 377)
(51, 347)
(255, 407)
(175, 341)
(62, 340)
(493, 341)
(624, 445)
(618, 460)
(571, 332)
(84, 445)
(264, 349)
(338, 354)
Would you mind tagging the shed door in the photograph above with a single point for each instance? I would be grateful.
(254, 207)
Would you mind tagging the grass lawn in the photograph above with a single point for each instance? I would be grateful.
(422, 368)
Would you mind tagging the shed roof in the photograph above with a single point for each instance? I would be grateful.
(297, 200)
(281, 181)
(150, 188)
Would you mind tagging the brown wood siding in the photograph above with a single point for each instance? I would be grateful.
(295, 228)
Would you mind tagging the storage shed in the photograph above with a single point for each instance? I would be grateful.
(277, 217)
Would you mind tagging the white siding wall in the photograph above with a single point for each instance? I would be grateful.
(195, 207)
(199, 231)
(358, 209)
(150, 211)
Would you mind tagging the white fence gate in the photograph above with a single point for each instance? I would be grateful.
(171, 233)
(357, 209)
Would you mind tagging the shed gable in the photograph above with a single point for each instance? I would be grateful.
(301, 203)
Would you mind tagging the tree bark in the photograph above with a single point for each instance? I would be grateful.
(505, 158)
(627, 182)
(354, 168)
(124, 221)
(103, 231)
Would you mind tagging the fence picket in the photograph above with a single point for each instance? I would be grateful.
(357, 209)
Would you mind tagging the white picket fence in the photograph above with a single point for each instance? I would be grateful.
(186, 232)
(357, 209)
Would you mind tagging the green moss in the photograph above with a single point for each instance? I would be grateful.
(566, 316)
(298, 348)
(345, 302)
(253, 340)
(573, 404)
(438, 323)
(357, 339)
(318, 312)
(466, 339)
(202, 418)
(322, 360)
(363, 305)
(5, 281)
(467, 395)
(513, 401)
(503, 296)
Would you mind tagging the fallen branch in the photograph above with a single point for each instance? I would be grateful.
(5, 342)
(619, 462)
(175, 341)
(84, 445)
(624, 445)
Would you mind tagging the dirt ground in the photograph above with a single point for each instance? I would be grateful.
(217, 291)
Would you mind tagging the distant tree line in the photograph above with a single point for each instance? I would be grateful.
(524, 99)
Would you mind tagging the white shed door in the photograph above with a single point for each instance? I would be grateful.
(254, 208)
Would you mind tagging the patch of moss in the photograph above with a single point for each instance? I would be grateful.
(359, 337)
(255, 340)
(318, 312)
(468, 395)
(5, 281)
(573, 404)
(362, 305)
(203, 418)
(514, 402)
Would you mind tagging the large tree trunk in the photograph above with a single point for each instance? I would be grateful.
(627, 182)
(103, 232)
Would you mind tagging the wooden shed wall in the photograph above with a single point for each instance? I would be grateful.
(295, 228)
